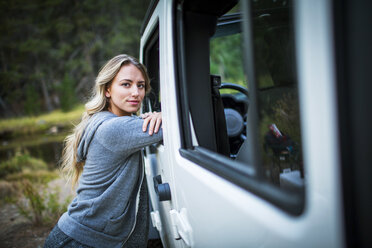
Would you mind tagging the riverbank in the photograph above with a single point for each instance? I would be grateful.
(17, 231)
(52, 122)
(32, 198)
(33, 193)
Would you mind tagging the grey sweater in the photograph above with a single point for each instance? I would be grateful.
(108, 203)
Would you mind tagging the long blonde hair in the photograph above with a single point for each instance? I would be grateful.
(97, 103)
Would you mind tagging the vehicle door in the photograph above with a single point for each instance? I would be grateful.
(249, 156)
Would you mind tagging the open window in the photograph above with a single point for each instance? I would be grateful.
(237, 81)
(151, 60)
(226, 67)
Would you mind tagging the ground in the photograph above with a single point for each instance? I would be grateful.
(18, 232)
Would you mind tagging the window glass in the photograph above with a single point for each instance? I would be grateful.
(226, 62)
(278, 107)
(279, 120)
(223, 118)
(226, 59)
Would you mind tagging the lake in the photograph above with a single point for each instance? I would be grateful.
(47, 147)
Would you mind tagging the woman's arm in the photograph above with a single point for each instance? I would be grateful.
(129, 134)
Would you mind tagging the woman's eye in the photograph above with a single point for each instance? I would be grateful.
(125, 84)
(141, 86)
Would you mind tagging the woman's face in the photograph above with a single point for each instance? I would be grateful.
(126, 91)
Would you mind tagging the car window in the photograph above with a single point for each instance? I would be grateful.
(277, 94)
(246, 116)
(278, 108)
(226, 57)
(151, 60)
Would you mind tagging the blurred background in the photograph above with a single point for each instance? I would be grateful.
(50, 54)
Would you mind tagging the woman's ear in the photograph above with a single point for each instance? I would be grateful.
(107, 93)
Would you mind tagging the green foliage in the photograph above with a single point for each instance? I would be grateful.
(26, 179)
(38, 176)
(20, 162)
(54, 209)
(39, 206)
(41, 123)
(32, 103)
(7, 190)
(67, 93)
(42, 41)
(284, 113)
(52, 205)
(226, 61)
(36, 203)
(9, 167)
(226, 58)
(287, 116)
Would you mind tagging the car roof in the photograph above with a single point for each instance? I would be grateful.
(217, 8)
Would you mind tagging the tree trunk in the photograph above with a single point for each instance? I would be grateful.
(46, 96)
(4, 109)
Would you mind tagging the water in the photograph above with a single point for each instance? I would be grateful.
(45, 147)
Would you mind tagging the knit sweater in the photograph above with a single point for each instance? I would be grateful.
(104, 211)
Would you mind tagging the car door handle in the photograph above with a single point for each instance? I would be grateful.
(162, 189)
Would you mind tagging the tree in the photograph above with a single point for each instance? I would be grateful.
(47, 43)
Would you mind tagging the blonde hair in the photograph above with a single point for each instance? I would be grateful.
(97, 103)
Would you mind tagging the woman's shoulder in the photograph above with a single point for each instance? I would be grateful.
(103, 115)
(97, 119)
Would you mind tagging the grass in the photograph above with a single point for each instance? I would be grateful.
(42, 123)
(32, 140)
(37, 176)
(24, 182)
(21, 162)
(40, 205)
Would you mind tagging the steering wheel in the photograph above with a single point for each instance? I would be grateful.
(235, 108)
(235, 87)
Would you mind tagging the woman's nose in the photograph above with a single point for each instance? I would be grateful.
(134, 91)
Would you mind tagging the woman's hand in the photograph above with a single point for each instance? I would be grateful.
(152, 121)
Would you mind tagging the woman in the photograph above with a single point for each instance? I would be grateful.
(111, 205)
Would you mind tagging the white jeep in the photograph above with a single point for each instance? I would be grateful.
(265, 116)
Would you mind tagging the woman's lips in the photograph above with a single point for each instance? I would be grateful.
(133, 102)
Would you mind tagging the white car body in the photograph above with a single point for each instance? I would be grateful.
(207, 210)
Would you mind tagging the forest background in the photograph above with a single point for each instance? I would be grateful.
(51, 50)
(50, 54)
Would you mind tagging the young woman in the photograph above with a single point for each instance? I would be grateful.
(111, 205)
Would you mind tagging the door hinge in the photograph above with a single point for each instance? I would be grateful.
(155, 218)
(181, 227)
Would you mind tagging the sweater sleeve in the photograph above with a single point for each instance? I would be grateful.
(124, 134)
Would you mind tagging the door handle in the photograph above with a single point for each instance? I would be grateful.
(162, 189)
